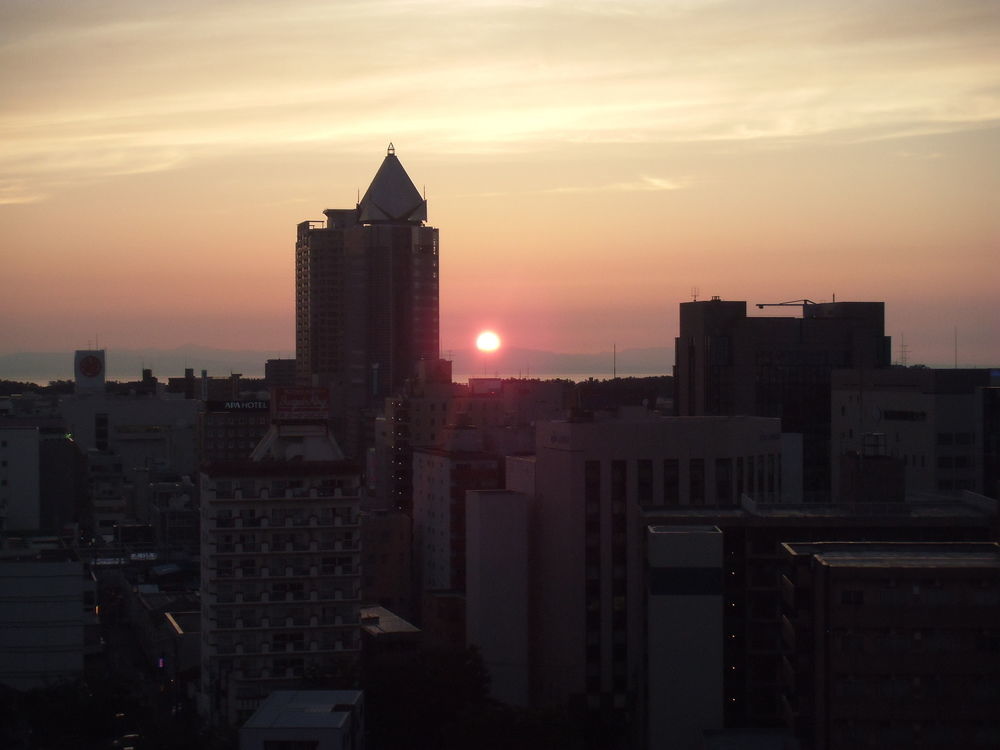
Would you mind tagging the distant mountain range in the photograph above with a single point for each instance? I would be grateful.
(127, 364)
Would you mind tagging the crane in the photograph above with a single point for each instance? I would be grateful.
(790, 303)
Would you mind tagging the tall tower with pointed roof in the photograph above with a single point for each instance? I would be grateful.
(366, 299)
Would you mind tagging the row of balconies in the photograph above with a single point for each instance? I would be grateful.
(265, 597)
(292, 493)
(261, 573)
(275, 623)
(238, 548)
(264, 522)
(265, 649)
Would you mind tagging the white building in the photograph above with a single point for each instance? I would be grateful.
(315, 719)
(590, 481)
(684, 636)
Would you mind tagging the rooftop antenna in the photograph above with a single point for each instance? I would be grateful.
(614, 360)
(904, 350)
(956, 347)
(391, 151)
(694, 294)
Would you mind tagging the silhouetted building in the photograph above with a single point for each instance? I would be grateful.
(366, 299)
(281, 563)
(593, 482)
(752, 539)
(280, 373)
(891, 645)
(728, 363)
(230, 430)
(47, 600)
(441, 477)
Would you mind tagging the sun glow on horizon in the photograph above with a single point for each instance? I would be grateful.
(487, 341)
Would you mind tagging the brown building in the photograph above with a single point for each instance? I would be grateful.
(892, 645)
(366, 299)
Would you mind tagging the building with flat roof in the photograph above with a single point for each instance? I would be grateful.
(941, 425)
(592, 482)
(684, 670)
(753, 535)
(47, 611)
(315, 719)
(891, 645)
(729, 363)
(281, 564)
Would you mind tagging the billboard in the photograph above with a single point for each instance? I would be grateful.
(300, 404)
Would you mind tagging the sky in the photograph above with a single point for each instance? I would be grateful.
(590, 165)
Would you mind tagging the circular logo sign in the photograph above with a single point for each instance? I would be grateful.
(90, 366)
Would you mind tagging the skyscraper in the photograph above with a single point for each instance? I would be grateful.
(366, 298)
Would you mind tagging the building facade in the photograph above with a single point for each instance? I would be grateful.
(892, 645)
(280, 580)
(939, 424)
(366, 299)
(729, 363)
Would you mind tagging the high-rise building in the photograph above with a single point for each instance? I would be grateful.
(280, 561)
(366, 299)
(728, 363)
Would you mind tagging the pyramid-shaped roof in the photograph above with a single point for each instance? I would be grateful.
(392, 197)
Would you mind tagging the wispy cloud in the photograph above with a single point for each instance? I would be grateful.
(145, 89)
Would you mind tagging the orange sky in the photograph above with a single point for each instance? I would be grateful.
(587, 163)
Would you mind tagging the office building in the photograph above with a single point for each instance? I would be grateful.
(366, 299)
(940, 425)
(891, 645)
(728, 363)
(753, 535)
(47, 607)
(591, 481)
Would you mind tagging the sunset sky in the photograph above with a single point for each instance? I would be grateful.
(588, 164)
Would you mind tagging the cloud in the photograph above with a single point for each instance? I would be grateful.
(145, 88)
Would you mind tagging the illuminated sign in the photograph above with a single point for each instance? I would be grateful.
(234, 405)
(300, 404)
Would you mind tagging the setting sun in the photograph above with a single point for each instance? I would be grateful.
(487, 341)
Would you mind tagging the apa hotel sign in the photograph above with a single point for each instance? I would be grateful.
(300, 404)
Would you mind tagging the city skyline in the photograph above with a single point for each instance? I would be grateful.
(589, 167)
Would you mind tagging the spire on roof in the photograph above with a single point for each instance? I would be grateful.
(392, 196)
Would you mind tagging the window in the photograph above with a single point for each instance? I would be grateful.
(852, 596)
(723, 481)
(696, 478)
(644, 481)
(671, 481)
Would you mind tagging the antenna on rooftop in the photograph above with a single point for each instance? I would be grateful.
(391, 151)
(904, 350)
(694, 294)
(956, 347)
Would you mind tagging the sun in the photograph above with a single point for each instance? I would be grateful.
(487, 341)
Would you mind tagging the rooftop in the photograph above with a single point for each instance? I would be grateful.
(900, 554)
(306, 708)
(392, 196)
